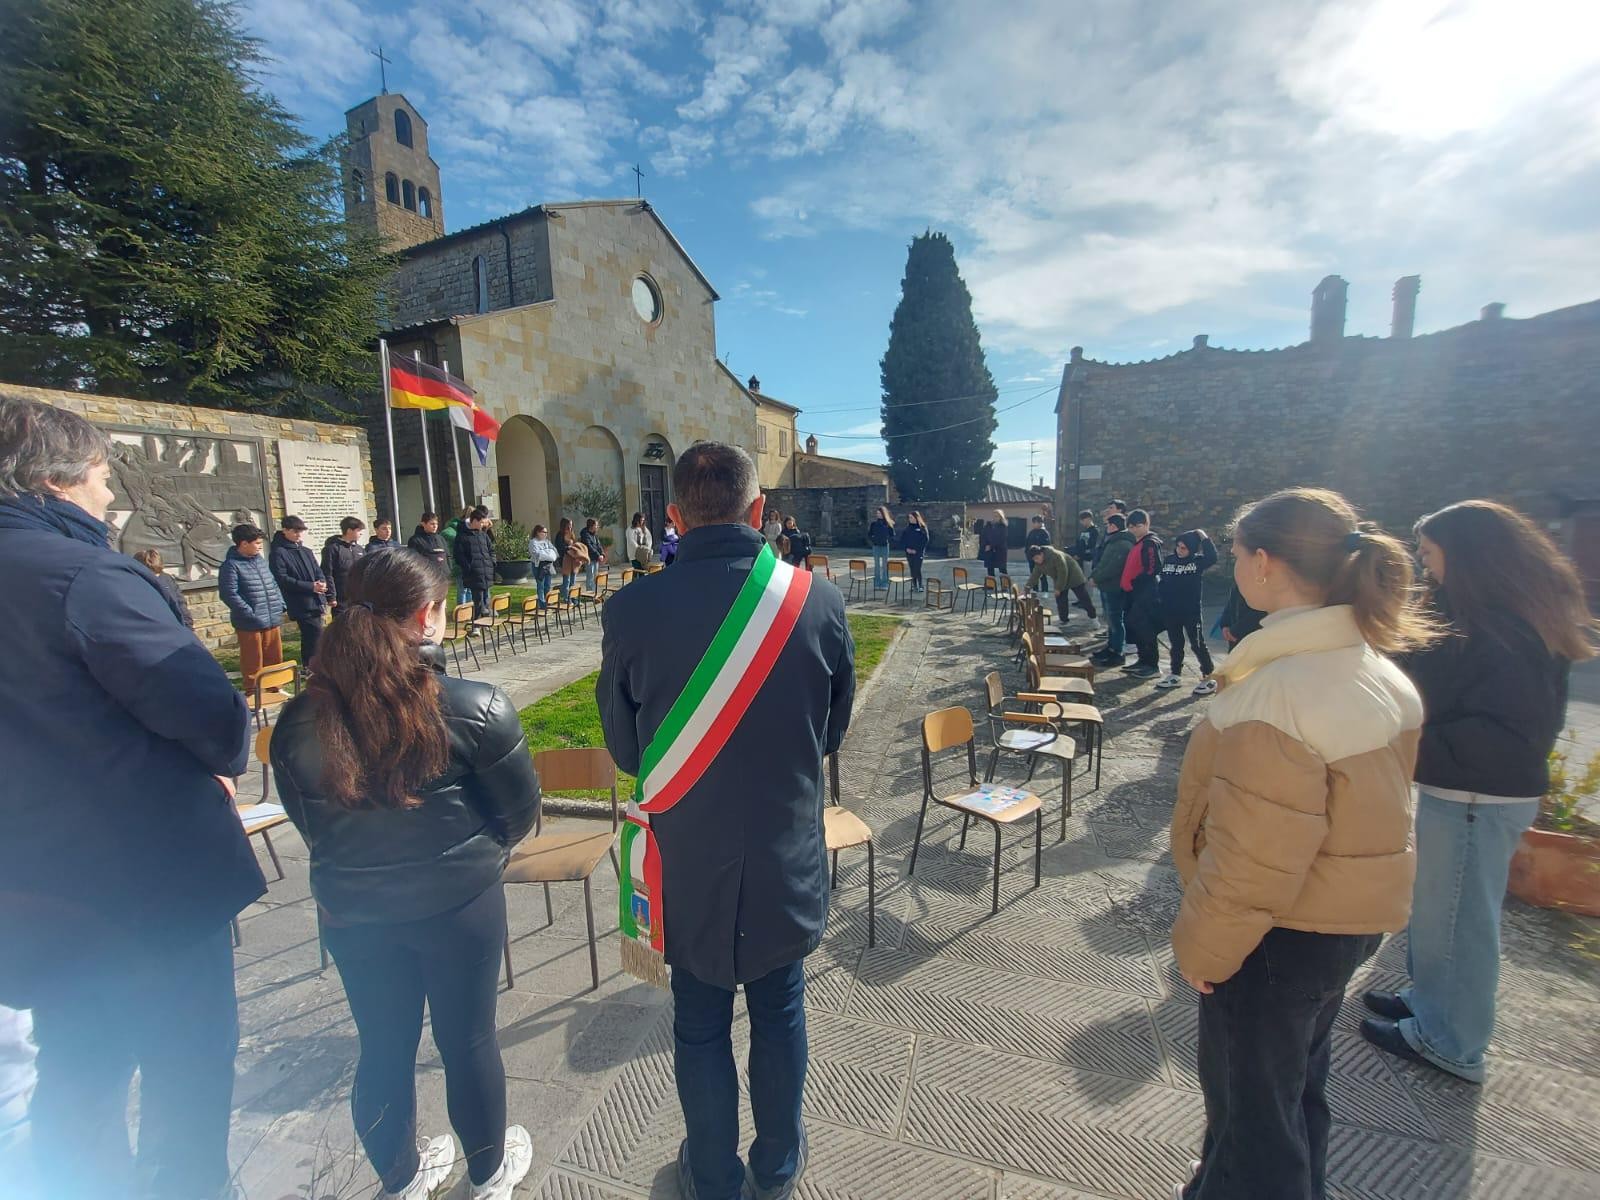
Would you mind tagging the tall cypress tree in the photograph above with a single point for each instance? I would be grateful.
(165, 229)
(938, 395)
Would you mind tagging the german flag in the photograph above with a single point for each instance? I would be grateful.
(414, 384)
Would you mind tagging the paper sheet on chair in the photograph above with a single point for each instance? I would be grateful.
(1029, 739)
(258, 815)
(990, 799)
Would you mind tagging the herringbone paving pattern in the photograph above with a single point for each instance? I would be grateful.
(1042, 1053)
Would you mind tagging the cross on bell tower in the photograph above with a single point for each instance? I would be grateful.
(383, 72)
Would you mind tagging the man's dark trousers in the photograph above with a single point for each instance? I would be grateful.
(310, 632)
(708, 1082)
(174, 1016)
(1111, 605)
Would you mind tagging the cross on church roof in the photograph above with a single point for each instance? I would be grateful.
(383, 62)
(638, 181)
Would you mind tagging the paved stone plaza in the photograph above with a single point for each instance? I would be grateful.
(1045, 1053)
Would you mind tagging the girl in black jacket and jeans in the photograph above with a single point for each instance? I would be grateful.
(1494, 690)
(410, 788)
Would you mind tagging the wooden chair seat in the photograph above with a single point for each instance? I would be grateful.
(842, 829)
(1025, 806)
(1065, 685)
(260, 826)
(558, 857)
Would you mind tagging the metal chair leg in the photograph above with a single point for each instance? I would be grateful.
(267, 838)
(994, 907)
(962, 845)
(322, 943)
(834, 882)
(594, 959)
(916, 842)
(1099, 753)
(238, 938)
(549, 913)
(509, 980)
(872, 897)
(1038, 845)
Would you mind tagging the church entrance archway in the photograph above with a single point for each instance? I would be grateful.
(529, 467)
(655, 472)
(598, 459)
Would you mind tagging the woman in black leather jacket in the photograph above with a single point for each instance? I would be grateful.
(410, 788)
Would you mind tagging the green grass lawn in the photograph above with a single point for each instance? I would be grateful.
(569, 717)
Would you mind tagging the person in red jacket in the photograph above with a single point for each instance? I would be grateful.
(1140, 599)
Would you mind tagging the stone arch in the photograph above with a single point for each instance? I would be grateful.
(598, 456)
(529, 467)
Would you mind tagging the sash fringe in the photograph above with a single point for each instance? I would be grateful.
(644, 962)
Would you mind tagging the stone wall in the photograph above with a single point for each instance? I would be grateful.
(1508, 409)
(210, 616)
(435, 280)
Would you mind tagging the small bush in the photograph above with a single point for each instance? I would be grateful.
(510, 542)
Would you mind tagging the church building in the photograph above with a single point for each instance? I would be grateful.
(585, 328)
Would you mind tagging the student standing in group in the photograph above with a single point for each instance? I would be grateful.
(122, 859)
(301, 580)
(1495, 693)
(1110, 558)
(669, 543)
(452, 530)
(1292, 834)
(570, 557)
(1038, 533)
(1179, 592)
(914, 544)
(475, 557)
(640, 544)
(428, 541)
(151, 558)
(1086, 548)
(544, 556)
(590, 537)
(993, 541)
(411, 788)
(1063, 575)
(255, 603)
(798, 542)
(1114, 508)
(880, 536)
(772, 529)
(383, 537)
(339, 554)
(1141, 596)
(743, 869)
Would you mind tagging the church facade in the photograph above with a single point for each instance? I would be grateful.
(587, 331)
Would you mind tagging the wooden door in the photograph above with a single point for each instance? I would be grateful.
(653, 501)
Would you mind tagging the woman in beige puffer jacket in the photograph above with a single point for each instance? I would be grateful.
(1292, 833)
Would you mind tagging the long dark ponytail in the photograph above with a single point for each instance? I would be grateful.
(382, 732)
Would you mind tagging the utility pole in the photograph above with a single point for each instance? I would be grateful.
(1033, 459)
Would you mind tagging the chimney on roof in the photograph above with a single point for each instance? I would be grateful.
(1327, 309)
(811, 444)
(754, 385)
(1077, 354)
(1492, 312)
(1404, 322)
(1202, 340)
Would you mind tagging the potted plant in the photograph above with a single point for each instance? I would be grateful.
(1558, 863)
(511, 552)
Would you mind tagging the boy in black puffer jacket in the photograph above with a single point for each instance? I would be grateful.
(1193, 553)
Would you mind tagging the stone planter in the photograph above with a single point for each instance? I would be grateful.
(1558, 870)
(514, 570)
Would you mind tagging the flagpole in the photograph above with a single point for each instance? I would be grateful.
(455, 445)
(427, 457)
(388, 422)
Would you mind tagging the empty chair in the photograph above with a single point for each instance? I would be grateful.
(275, 686)
(951, 728)
(841, 830)
(819, 562)
(460, 632)
(961, 583)
(1028, 727)
(858, 575)
(899, 576)
(937, 596)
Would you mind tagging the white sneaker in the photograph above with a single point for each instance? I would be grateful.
(438, 1156)
(1206, 687)
(1170, 682)
(513, 1167)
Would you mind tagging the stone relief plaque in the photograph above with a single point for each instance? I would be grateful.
(322, 485)
(182, 493)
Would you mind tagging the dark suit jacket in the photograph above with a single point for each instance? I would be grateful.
(744, 868)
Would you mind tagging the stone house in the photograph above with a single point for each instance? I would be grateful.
(777, 440)
(1402, 425)
(585, 329)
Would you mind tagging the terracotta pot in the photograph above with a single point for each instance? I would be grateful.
(1557, 870)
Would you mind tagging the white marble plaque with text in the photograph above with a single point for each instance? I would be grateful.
(322, 484)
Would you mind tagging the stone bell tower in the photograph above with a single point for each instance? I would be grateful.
(391, 184)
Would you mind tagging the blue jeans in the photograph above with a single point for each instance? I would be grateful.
(590, 571)
(542, 582)
(880, 566)
(1116, 635)
(1453, 948)
(708, 1083)
(566, 585)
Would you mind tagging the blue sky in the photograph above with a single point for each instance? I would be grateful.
(1115, 174)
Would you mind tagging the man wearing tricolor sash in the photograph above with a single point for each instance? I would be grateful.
(726, 720)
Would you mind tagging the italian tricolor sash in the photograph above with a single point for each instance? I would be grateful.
(697, 727)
